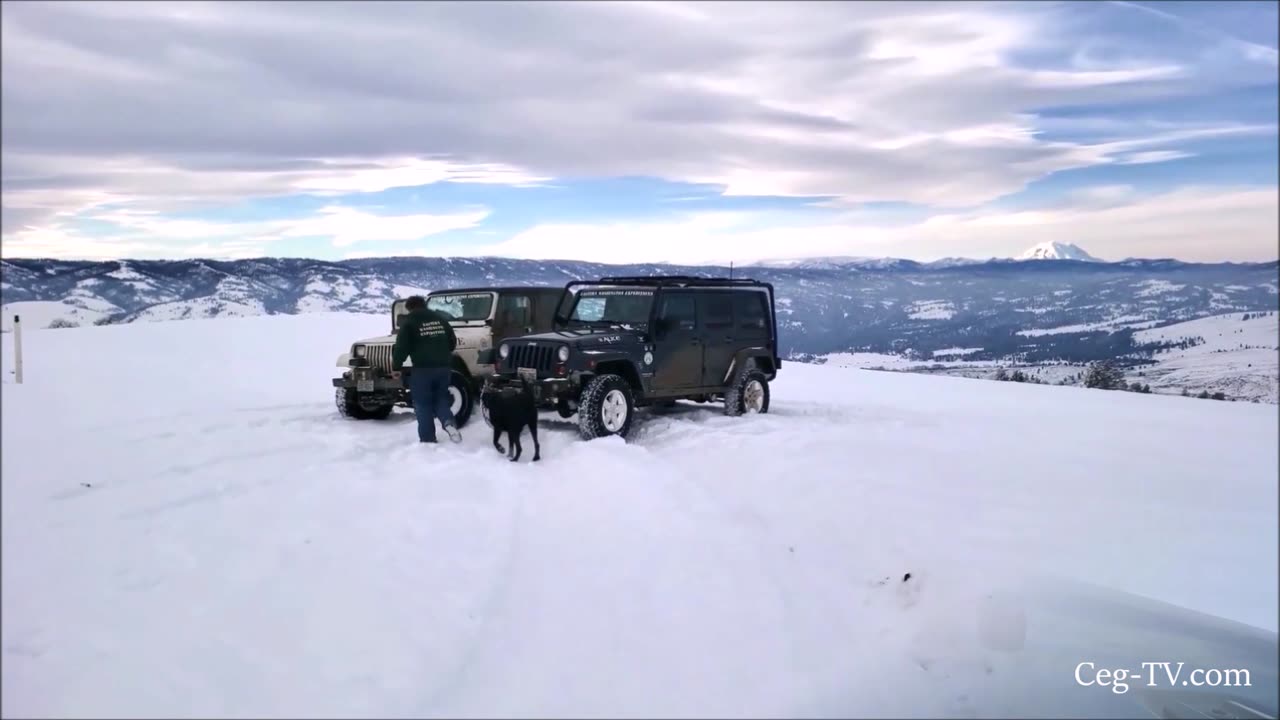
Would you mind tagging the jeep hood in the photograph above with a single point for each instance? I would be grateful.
(466, 334)
(584, 337)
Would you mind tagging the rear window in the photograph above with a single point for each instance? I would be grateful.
(750, 310)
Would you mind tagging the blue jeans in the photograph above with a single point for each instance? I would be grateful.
(429, 389)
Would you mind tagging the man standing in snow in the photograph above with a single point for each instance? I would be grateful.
(426, 337)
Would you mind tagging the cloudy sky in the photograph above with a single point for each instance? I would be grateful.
(643, 130)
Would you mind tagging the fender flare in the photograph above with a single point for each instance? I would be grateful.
(762, 356)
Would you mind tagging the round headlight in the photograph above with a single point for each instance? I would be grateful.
(504, 351)
(358, 351)
(563, 354)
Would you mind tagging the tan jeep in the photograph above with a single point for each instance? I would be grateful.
(481, 318)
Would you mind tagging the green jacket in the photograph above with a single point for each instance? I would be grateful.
(426, 337)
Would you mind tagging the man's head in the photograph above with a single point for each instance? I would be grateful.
(415, 303)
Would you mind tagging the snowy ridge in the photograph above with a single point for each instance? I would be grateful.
(1009, 309)
(1236, 355)
(236, 549)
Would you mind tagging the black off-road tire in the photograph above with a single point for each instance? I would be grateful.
(462, 384)
(602, 389)
(735, 399)
(349, 406)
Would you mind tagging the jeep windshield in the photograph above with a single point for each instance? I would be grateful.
(462, 307)
(608, 307)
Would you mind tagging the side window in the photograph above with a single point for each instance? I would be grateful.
(750, 308)
(515, 310)
(679, 310)
(717, 311)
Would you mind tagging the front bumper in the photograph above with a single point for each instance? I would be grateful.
(544, 389)
(367, 379)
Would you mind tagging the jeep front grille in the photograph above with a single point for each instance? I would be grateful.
(379, 356)
(538, 357)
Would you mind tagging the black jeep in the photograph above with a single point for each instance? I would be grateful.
(620, 343)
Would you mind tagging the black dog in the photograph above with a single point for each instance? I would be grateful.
(510, 410)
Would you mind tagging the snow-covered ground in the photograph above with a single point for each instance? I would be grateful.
(931, 310)
(38, 314)
(1126, 321)
(885, 361)
(189, 529)
(1237, 356)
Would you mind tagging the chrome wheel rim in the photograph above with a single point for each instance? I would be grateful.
(753, 396)
(455, 400)
(613, 411)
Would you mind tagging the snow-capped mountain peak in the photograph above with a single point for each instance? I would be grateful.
(1058, 251)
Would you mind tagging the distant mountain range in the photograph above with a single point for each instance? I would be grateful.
(1064, 309)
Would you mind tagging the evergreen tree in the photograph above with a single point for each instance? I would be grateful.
(1104, 376)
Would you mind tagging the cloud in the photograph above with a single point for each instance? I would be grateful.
(908, 102)
(1112, 222)
(347, 226)
(38, 190)
(1153, 156)
(137, 233)
(139, 115)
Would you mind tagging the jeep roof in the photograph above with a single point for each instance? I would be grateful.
(678, 281)
(512, 289)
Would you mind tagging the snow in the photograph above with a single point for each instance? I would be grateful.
(124, 272)
(1057, 251)
(318, 286)
(885, 361)
(1238, 357)
(1119, 323)
(1153, 288)
(37, 314)
(404, 291)
(931, 310)
(218, 542)
(139, 282)
(204, 308)
(956, 351)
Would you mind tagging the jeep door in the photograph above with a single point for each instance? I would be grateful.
(513, 317)
(677, 347)
(715, 309)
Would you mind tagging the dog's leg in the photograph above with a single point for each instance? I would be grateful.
(515, 440)
(533, 431)
(497, 435)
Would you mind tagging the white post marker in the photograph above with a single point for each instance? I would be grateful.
(17, 349)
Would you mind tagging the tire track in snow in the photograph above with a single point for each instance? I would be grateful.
(832, 612)
(572, 588)
(494, 604)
